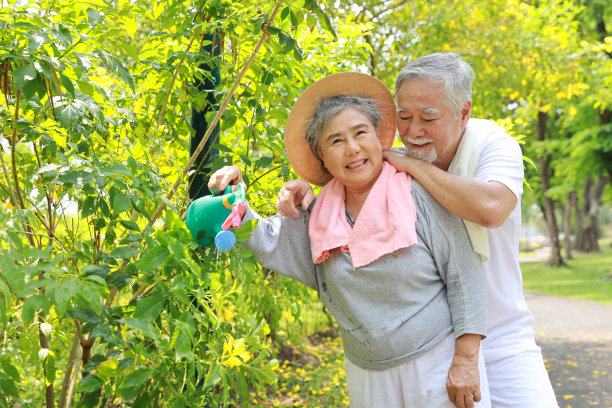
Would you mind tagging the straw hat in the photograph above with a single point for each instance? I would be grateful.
(304, 162)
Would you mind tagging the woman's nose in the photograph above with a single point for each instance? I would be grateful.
(352, 146)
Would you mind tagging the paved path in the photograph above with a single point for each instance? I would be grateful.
(576, 341)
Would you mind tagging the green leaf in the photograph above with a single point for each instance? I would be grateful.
(100, 270)
(24, 74)
(143, 401)
(6, 292)
(150, 307)
(94, 16)
(9, 369)
(285, 13)
(63, 295)
(30, 306)
(131, 225)
(36, 86)
(124, 252)
(35, 41)
(8, 386)
(153, 258)
(213, 377)
(84, 314)
(50, 369)
(118, 279)
(294, 20)
(321, 15)
(3, 316)
(64, 34)
(125, 75)
(86, 88)
(89, 384)
(245, 231)
(69, 113)
(136, 378)
(145, 327)
(120, 202)
(67, 82)
(108, 368)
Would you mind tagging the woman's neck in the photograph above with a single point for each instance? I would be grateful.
(355, 196)
(354, 201)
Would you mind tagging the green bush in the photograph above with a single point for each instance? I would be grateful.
(105, 300)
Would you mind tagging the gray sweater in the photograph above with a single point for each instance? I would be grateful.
(397, 307)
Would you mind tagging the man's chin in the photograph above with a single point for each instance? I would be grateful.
(429, 156)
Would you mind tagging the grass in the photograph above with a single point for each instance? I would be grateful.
(588, 276)
(313, 377)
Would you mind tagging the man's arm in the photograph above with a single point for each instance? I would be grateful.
(486, 203)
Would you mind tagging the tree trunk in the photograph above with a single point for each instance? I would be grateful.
(567, 224)
(605, 116)
(548, 204)
(588, 230)
(579, 226)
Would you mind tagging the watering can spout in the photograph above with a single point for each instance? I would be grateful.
(209, 218)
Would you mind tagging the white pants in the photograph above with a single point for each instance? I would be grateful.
(418, 383)
(520, 381)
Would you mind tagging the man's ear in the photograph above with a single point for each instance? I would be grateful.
(465, 113)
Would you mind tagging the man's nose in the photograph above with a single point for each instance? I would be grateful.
(413, 130)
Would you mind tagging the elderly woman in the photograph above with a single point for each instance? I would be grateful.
(395, 269)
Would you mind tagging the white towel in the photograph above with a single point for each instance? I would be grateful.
(464, 164)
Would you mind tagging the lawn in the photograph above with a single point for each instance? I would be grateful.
(586, 276)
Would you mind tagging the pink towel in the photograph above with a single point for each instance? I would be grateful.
(385, 224)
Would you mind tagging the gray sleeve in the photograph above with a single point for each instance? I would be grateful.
(460, 268)
(282, 245)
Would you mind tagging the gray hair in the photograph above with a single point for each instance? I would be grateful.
(327, 110)
(444, 68)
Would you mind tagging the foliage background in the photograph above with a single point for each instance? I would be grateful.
(104, 298)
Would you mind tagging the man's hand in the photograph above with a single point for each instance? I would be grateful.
(228, 175)
(291, 194)
(398, 159)
(463, 383)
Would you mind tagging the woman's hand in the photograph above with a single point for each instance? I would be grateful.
(463, 383)
(228, 175)
(291, 194)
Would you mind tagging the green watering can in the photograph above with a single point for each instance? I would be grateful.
(209, 218)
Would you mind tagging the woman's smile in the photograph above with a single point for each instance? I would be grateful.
(357, 164)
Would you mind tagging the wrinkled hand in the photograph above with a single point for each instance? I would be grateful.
(463, 383)
(228, 175)
(398, 159)
(293, 193)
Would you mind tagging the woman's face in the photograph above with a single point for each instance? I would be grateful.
(351, 151)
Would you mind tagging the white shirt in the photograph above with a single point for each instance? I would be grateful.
(510, 324)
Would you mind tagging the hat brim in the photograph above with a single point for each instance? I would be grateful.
(304, 162)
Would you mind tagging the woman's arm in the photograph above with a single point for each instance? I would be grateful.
(277, 243)
(463, 383)
(460, 268)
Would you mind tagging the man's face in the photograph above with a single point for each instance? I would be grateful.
(428, 128)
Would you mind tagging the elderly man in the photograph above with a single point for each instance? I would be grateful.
(475, 170)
